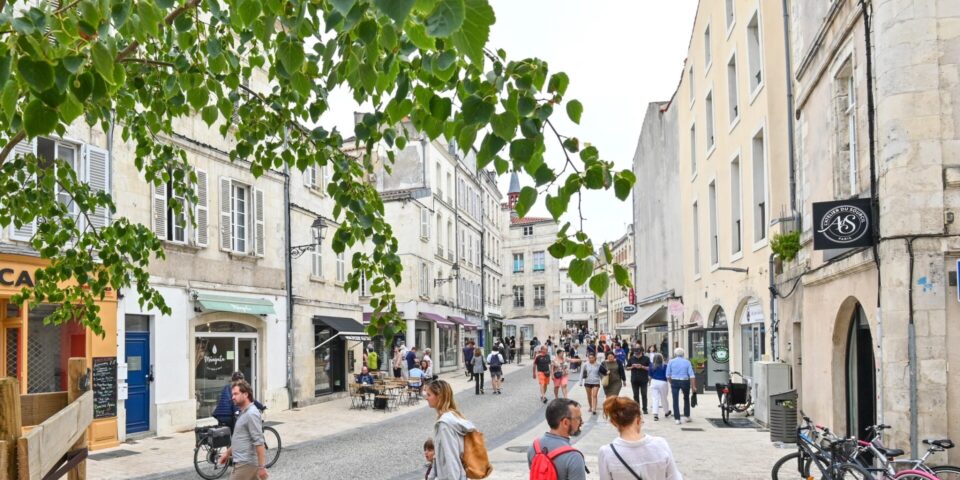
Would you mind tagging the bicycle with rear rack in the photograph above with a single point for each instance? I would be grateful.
(876, 458)
(734, 396)
(212, 444)
(819, 450)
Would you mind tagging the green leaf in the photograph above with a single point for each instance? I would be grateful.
(476, 110)
(291, 56)
(558, 83)
(574, 110)
(572, 144)
(557, 206)
(521, 150)
(441, 107)
(622, 276)
(621, 188)
(248, 11)
(446, 18)
(70, 109)
(600, 283)
(343, 6)
(417, 34)
(397, 10)
(37, 73)
(543, 175)
(580, 270)
(39, 119)
(198, 97)
(6, 65)
(504, 125)
(9, 100)
(473, 36)
(528, 196)
(209, 114)
(557, 249)
(589, 154)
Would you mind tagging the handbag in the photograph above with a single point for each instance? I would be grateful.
(615, 452)
(605, 381)
(693, 400)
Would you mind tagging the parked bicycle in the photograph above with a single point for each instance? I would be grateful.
(213, 442)
(882, 461)
(819, 450)
(734, 396)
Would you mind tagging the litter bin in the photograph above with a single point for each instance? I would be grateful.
(783, 417)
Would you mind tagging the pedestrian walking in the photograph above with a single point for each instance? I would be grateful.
(682, 380)
(658, 385)
(560, 373)
(397, 363)
(373, 360)
(590, 378)
(468, 349)
(411, 359)
(552, 456)
(479, 366)
(225, 407)
(633, 454)
(246, 444)
(429, 454)
(426, 358)
(639, 366)
(448, 432)
(541, 371)
(495, 362)
(534, 347)
(615, 375)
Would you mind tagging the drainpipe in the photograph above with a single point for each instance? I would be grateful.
(792, 163)
(774, 317)
(288, 273)
(912, 355)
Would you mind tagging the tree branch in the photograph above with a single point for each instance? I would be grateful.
(14, 140)
(168, 20)
(147, 62)
(66, 7)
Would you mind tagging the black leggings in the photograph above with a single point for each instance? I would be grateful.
(478, 381)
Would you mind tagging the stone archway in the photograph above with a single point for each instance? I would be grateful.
(854, 369)
(717, 347)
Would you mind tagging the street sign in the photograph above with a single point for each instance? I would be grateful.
(842, 224)
(630, 309)
(675, 308)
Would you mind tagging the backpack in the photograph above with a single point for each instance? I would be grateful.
(495, 360)
(475, 460)
(542, 467)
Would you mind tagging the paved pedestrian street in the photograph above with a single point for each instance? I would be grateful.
(331, 441)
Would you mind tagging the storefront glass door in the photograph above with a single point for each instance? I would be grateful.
(219, 353)
(718, 357)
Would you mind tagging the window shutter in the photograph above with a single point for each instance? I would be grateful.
(326, 173)
(424, 223)
(98, 179)
(310, 176)
(200, 210)
(160, 211)
(258, 222)
(317, 254)
(226, 241)
(25, 232)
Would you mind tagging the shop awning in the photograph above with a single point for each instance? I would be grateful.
(228, 303)
(347, 328)
(440, 320)
(638, 319)
(463, 322)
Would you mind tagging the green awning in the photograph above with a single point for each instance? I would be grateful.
(225, 303)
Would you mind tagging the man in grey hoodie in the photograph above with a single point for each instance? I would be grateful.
(448, 432)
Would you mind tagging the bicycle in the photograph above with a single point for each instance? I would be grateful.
(820, 448)
(213, 442)
(734, 397)
(888, 468)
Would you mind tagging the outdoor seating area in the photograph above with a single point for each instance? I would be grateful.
(385, 394)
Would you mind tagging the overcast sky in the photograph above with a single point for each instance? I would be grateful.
(619, 55)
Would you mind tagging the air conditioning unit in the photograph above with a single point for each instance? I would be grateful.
(769, 378)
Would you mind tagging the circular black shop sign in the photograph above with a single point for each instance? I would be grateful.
(844, 224)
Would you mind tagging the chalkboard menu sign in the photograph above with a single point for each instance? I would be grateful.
(104, 387)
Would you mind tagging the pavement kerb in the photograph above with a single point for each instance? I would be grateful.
(156, 455)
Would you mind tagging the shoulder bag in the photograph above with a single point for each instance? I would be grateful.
(615, 452)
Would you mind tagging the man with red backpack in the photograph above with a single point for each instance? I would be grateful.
(551, 457)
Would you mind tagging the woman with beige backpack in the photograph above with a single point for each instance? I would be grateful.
(459, 446)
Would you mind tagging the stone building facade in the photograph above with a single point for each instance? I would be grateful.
(872, 323)
(578, 304)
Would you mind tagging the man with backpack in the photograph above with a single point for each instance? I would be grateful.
(551, 457)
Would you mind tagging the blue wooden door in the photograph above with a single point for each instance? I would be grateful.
(138, 382)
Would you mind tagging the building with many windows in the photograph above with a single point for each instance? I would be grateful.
(495, 221)
(578, 304)
(532, 279)
(619, 297)
(733, 148)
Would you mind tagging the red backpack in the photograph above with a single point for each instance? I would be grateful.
(542, 467)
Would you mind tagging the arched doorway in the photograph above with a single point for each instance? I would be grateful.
(861, 376)
(717, 348)
(752, 335)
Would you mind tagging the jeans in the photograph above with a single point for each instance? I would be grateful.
(478, 382)
(640, 390)
(677, 386)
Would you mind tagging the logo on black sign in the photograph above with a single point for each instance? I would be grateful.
(844, 224)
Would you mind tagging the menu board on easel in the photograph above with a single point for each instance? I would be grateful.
(104, 387)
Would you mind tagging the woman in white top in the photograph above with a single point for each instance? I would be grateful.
(634, 455)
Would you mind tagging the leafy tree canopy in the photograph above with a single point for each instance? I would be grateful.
(139, 65)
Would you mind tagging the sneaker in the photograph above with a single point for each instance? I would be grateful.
(656, 418)
(678, 421)
(686, 419)
(645, 411)
(667, 415)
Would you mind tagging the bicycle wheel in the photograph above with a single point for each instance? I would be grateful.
(724, 409)
(851, 471)
(946, 472)
(915, 475)
(790, 467)
(271, 441)
(206, 460)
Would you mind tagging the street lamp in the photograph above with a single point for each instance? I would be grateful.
(317, 229)
(454, 274)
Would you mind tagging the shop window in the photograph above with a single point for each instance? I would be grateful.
(48, 348)
(231, 327)
(448, 347)
(217, 357)
(12, 352)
